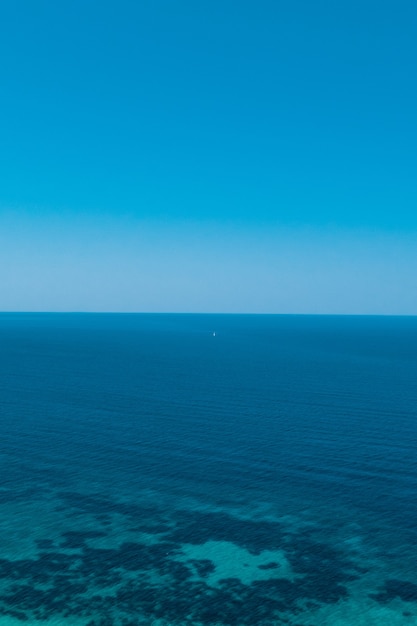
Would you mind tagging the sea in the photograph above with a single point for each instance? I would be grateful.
(208, 470)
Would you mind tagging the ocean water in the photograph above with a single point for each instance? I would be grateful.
(153, 473)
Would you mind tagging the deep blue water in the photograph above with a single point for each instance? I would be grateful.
(152, 473)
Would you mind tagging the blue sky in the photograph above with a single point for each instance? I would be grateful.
(208, 156)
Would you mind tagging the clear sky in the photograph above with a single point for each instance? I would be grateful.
(222, 155)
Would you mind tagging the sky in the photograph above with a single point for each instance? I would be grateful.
(208, 156)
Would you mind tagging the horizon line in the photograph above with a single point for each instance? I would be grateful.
(76, 312)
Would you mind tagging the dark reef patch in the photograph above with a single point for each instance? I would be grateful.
(203, 567)
(403, 589)
(196, 527)
(77, 539)
(325, 569)
(267, 566)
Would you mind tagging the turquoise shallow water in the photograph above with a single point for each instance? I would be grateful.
(155, 474)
